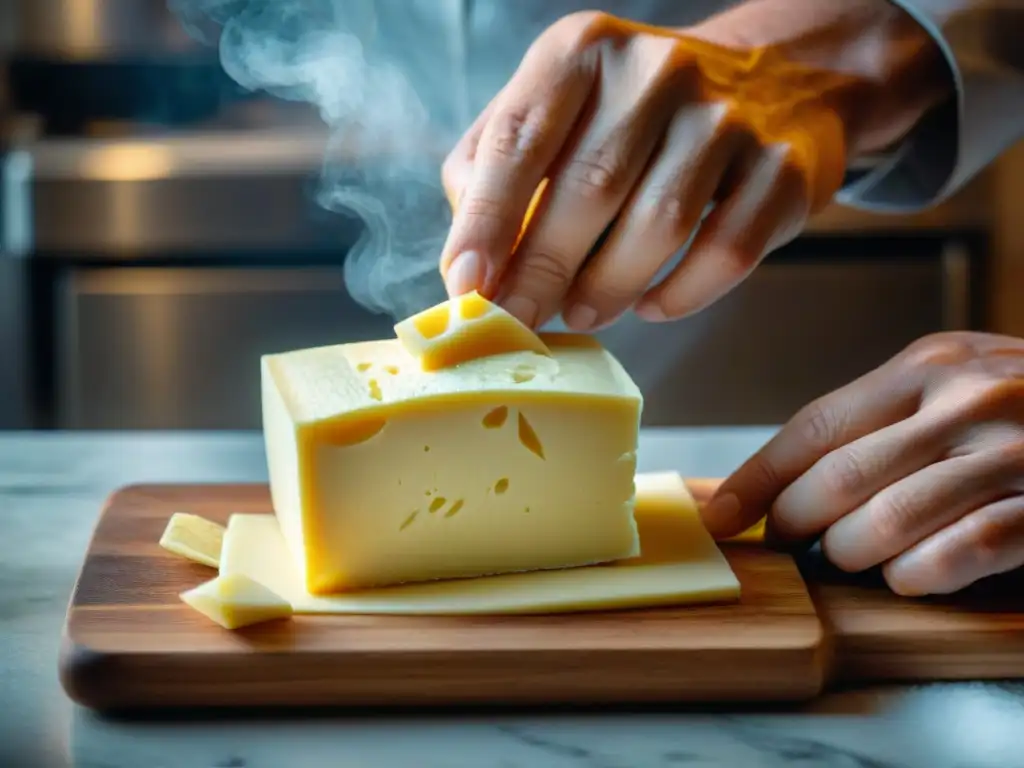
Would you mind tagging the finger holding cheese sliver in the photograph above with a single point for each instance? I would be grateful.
(465, 328)
(236, 601)
(193, 537)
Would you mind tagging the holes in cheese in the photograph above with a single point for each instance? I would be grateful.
(440, 338)
(455, 507)
(473, 306)
(354, 432)
(521, 374)
(408, 520)
(375, 392)
(496, 419)
(236, 600)
(529, 438)
(432, 322)
(194, 538)
(437, 503)
(501, 486)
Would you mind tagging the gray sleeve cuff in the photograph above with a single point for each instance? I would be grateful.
(956, 140)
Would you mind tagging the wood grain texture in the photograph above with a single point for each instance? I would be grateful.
(878, 636)
(129, 641)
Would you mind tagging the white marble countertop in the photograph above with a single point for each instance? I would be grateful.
(51, 488)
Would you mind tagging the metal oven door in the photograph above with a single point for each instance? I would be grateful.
(179, 348)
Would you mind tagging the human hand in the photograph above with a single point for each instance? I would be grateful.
(613, 121)
(918, 465)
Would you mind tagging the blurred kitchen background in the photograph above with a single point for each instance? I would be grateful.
(158, 234)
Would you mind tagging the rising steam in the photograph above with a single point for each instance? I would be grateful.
(333, 55)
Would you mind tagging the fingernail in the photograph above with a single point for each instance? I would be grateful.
(580, 317)
(718, 512)
(651, 312)
(523, 308)
(466, 273)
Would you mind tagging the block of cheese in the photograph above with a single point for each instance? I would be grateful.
(193, 537)
(382, 473)
(679, 565)
(465, 328)
(236, 600)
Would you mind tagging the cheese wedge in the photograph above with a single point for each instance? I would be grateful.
(465, 328)
(236, 600)
(382, 473)
(680, 565)
(193, 537)
(753, 535)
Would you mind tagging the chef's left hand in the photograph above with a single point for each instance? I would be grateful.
(917, 466)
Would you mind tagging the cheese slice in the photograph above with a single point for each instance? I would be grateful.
(193, 537)
(668, 489)
(382, 473)
(236, 600)
(465, 328)
(753, 535)
(680, 565)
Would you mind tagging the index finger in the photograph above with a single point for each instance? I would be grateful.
(876, 400)
(533, 117)
(457, 169)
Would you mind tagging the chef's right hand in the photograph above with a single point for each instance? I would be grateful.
(644, 127)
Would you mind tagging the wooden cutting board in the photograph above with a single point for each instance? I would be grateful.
(878, 636)
(130, 643)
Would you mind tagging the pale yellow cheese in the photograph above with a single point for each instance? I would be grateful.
(668, 489)
(235, 600)
(680, 565)
(464, 328)
(193, 537)
(382, 473)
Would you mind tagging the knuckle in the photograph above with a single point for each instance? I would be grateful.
(987, 545)
(763, 475)
(670, 214)
(940, 350)
(599, 175)
(977, 398)
(889, 515)
(582, 29)
(516, 132)
(604, 290)
(846, 474)
(484, 209)
(544, 268)
(819, 425)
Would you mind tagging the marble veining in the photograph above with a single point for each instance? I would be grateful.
(51, 488)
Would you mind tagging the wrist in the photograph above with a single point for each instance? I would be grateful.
(888, 70)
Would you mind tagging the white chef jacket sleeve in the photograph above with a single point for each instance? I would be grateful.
(983, 43)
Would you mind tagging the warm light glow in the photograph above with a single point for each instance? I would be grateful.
(127, 163)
